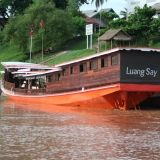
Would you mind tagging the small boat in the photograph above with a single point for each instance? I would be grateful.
(118, 78)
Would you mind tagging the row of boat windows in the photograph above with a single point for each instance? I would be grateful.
(83, 67)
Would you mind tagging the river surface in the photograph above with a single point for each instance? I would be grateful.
(37, 132)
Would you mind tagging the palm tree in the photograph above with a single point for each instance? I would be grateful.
(124, 13)
(98, 3)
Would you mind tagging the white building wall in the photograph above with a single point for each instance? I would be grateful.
(133, 3)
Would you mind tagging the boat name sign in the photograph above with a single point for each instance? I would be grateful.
(141, 72)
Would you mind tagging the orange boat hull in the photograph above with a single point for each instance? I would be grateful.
(129, 96)
(120, 100)
(63, 98)
(111, 97)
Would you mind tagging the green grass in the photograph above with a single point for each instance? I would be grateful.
(76, 49)
(71, 55)
(10, 53)
(38, 58)
(81, 42)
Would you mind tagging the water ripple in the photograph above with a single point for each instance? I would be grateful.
(37, 133)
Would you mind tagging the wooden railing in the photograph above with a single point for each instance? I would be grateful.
(11, 87)
(8, 85)
(30, 91)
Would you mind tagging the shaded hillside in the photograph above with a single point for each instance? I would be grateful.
(80, 42)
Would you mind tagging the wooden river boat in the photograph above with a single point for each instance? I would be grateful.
(117, 78)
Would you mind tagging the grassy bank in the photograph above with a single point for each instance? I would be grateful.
(70, 55)
(10, 53)
(76, 49)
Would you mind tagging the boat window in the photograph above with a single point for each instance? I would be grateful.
(72, 70)
(50, 78)
(64, 72)
(83, 67)
(104, 62)
(58, 77)
(114, 60)
(94, 64)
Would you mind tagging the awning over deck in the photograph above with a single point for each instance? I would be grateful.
(29, 70)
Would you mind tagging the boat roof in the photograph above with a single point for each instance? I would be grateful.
(24, 69)
(24, 65)
(26, 72)
(38, 73)
(108, 52)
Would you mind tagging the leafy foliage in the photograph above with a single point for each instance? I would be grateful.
(124, 13)
(109, 16)
(63, 4)
(13, 7)
(118, 23)
(16, 7)
(59, 26)
(79, 25)
(155, 27)
(141, 23)
(98, 3)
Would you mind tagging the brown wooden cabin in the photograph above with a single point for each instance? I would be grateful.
(94, 72)
(108, 68)
(86, 73)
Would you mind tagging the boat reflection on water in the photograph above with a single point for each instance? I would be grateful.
(52, 108)
(88, 114)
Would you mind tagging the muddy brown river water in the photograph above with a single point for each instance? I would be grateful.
(39, 132)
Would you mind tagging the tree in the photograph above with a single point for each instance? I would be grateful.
(155, 27)
(139, 22)
(78, 19)
(16, 7)
(13, 7)
(98, 3)
(124, 13)
(75, 4)
(118, 23)
(62, 4)
(109, 16)
(79, 24)
(57, 28)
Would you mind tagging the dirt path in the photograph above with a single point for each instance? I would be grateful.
(52, 57)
